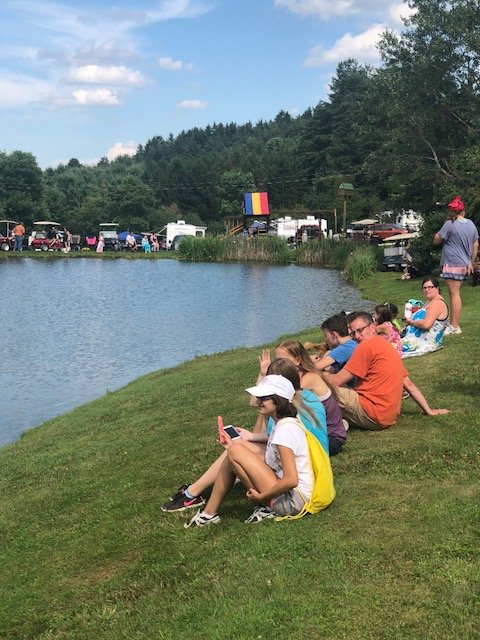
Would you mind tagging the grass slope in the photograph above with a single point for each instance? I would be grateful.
(87, 554)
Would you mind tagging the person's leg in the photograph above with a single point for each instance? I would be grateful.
(455, 301)
(223, 483)
(352, 410)
(208, 478)
(250, 468)
(334, 445)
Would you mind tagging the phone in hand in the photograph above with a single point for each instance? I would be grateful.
(232, 432)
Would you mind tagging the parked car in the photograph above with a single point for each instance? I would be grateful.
(177, 240)
(109, 230)
(6, 238)
(46, 236)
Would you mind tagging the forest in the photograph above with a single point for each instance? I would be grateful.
(406, 135)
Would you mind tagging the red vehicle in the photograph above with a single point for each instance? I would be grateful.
(382, 231)
(6, 237)
(46, 236)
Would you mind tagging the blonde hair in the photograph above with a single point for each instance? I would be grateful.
(305, 363)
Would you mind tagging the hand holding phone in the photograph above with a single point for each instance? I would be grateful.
(232, 432)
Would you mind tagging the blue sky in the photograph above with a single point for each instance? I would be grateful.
(86, 79)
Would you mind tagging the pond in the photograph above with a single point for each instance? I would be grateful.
(75, 329)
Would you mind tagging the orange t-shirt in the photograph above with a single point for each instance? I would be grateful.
(19, 230)
(380, 375)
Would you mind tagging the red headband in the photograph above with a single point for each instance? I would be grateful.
(456, 204)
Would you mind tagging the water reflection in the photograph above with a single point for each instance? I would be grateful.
(74, 329)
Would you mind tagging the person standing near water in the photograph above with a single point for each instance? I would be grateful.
(459, 237)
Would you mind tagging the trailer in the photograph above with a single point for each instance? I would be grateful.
(288, 227)
(173, 230)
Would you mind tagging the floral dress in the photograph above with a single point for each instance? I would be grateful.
(417, 342)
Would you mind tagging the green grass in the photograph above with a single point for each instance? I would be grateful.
(87, 554)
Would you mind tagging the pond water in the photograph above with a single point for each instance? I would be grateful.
(75, 329)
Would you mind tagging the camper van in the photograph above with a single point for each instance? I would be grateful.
(172, 230)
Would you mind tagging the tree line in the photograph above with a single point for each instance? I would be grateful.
(406, 135)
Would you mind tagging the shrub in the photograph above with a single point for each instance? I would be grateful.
(360, 264)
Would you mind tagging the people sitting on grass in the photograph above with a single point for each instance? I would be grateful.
(130, 242)
(338, 346)
(425, 329)
(282, 483)
(311, 378)
(383, 318)
(311, 412)
(375, 402)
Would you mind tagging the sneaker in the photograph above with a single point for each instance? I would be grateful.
(452, 331)
(260, 513)
(180, 502)
(202, 520)
(179, 492)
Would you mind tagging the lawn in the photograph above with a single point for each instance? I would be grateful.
(87, 554)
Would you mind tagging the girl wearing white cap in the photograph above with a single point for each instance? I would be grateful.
(283, 482)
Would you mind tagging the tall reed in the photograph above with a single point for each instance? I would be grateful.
(360, 264)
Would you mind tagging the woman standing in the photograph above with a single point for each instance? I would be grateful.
(459, 237)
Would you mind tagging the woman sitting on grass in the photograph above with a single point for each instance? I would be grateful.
(311, 378)
(425, 329)
(282, 483)
(311, 412)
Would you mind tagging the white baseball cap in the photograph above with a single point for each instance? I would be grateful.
(273, 385)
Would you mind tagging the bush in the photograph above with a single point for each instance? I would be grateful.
(360, 264)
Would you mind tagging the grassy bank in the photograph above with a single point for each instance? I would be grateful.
(87, 554)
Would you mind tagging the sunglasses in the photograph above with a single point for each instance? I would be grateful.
(429, 286)
(263, 399)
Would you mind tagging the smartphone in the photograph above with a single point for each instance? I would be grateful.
(232, 432)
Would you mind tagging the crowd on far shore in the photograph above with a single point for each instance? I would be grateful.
(311, 394)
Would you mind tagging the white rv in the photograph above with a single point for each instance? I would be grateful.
(410, 219)
(179, 228)
(287, 227)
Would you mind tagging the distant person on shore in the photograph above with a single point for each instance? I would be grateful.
(130, 242)
(52, 237)
(425, 328)
(375, 402)
(459, 240)
(100, 244)
(18, 235)
(67, 239)
(154, 242)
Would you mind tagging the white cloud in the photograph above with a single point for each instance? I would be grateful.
(398, 11)
(95, 74)
(173, 65)
(121, 149)
(322, 9)
(192, 104)
(96, 98)
(19, 90)
(361, 47)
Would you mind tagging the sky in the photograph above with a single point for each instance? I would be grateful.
(89, 79)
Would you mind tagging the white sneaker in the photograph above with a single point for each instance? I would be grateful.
(452, 331)
(258, 514)
(201, 520)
